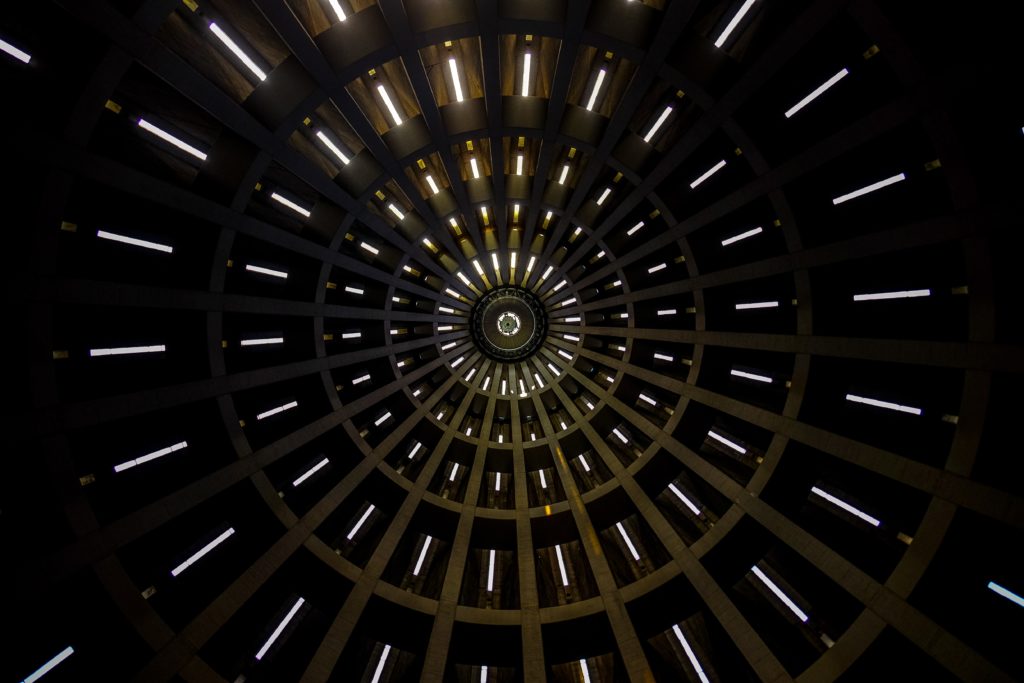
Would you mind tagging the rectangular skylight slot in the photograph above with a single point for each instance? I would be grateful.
(647, 399)
(497, 477)
(622, 437)
(583, 670)
(590, 406)
(280, 628)
(329, 144)
(277, 410)
(757, 304)
(512, 260)
(444, 328)
(128, 350)
(458, 361)
(501, 438)
(361, 379)
(370, 248)
(1006, 593)
(66, 652)
(667, 311)
(657, 124)
(733, 23)
(708, 173)
(554, 370)
(519, 164)
(135, 242)
(604, 195)
(338, 11)
(353, 290)
(547, 272)
(750, 375)
(311, 471)
(629, 543)
(479, 269)
(433, 185)
(175, 141)
(543, 480)
(24, 58)
(655, 269)
(598, 82)
(490, 588)
(449, 345)
(690, 654)
(537, 379)
(845, 506)
(415, 450)
(629, 233)
(800, 614)
(483, 669)
(417, 392)
(504, 387)
(455, 470)
(494, 261)
(571, 337)
(741, 236)
(380, 665)
(867, 189)
(617, 283)
(487, 382)
(359, 524)
(237, 51)
(266, 271)
(561, 565)
(617, 347)
(351, 335)
(423, 552)
(572, 319)
(529, 266)
(150, 456)
(882, 296)
(586, 465)
(599, 254)
(474, 168)
(445, 309)
(469, 375)
(461, 276)
(522, 388)
(731, 444)
(202, 552)
(525, 92)
(396, 212)
(564, 354)
(382, 419)
(564, 174)
(883, 404)
(452, 293)
(389, 104)
(265, 341)
(842, 73)
(454, 68)
(569, 301)
(402, 363)
(686, 501)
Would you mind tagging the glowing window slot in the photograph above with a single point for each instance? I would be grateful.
(280, 628)
(169, 138)
(202, 552)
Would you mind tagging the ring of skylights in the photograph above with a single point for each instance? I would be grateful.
(508, 323)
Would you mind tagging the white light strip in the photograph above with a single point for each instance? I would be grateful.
(396, 211)
(24, 58)
(597, 89)
(128, 350)
(583, 670)
(686, 501)
(586, 465)
(150, 456)
(167, 137)
(529, 266)
(547, 272)
(265, 341)
(655, 269)
(636, 227)
(647, 399)
(454, 67)
(571, 337)
(658, 123)
(708, 173)
(667, 311)
(380, 664)
(358, 524)
(63, 654)
(448, 346)
(800, 614)
(543, 480)
(604, 195)
(553, 370)
(487, 382)
(445, 309)
(311, 471)
(237, 51)
(629, 543)
(279, 409)
(568, 302)
(661, 356)
(474, 167)
(519, 164)
(494, 261)
(526, 75)
(490, 576)
(113, 237)
(266, 271)
(202, 552)
(561, 565)
(750, 375)
(351, 335)
(280, 627)
(731, 444)
(370, 248)
(690, 655)
(883, 404)
(564, 354)
(621, 436)
(731, 26)
(338, 11)
(458, 361)
(892, 180)
(757, 304)
(423, 553)
(382, 419)
(361, 378)
(415, 450)
(497, 475)
(353, 290)
(817, 92)
(1006, 593)
(389, 104)
(742, 236)
(881, 296)
(433, 185)
(333, 147)
(483, 669)
(845, 506)
(564, 175)
(536, 377)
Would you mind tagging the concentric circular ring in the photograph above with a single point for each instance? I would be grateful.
(509, 323)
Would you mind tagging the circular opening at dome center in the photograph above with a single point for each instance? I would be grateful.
(508, 323)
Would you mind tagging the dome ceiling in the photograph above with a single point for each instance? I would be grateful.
(511, 341)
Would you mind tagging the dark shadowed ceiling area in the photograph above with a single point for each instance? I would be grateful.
(492, 341)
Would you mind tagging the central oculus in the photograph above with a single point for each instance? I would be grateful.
(508, 323)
